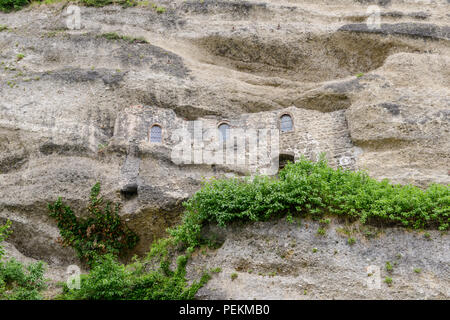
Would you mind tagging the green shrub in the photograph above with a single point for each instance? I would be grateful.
(160, 10)
(351, 241)
(19, 282)
(98, 3)
(4, 233)
(389, 266)
(12, 5)
(102, 3)
(101, 232)
(388, 281)
(115, 36)
(313, 189)
(110, 280)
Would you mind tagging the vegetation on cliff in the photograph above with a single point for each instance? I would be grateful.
(100, 233)
(304, 188)
(14, 5)
(99, 239)
(111, 280)
(17, 281)
(313, 189)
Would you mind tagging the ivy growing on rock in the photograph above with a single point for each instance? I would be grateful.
(101, 232)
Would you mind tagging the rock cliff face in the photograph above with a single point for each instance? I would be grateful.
(373, 99)
(280, 260)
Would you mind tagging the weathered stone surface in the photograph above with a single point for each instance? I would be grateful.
(372, 99)
(279, 260)
(418, 30)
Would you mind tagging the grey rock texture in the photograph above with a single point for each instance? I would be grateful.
(281, 260)
(376, 100)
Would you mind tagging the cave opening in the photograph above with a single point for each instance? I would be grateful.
(284, 158)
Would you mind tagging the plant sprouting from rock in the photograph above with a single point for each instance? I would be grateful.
(101, 232)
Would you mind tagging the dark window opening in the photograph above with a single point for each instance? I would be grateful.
(156, 134)
(286, 123)
(284, 159)
(224, 130)
(129, 191)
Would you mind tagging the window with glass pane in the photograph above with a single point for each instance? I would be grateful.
(224, 131)
(286, 123)
(156, 134)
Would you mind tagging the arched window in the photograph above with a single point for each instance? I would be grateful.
(286, 123)
(156, 134)
(224, 131)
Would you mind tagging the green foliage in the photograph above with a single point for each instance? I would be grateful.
(388, 281)
(4, 233)
(321, 231)
(234, 276)
(3, 27)
(110, 280)
(99, 239)
(19, 282)
(114, 36)
(100, 3)
(417, 270)
(312, 189)
(12, 5)
(101, 232)
(351, 241)
(160, 10)
(389, 266)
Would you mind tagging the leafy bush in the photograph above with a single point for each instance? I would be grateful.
(389, 266)
(19, 282)
(100, 238)
(388, 281)
(102, 3)
(4, 233)
(115, 36)
(101, 232)
(110, 280)
(12, 5)
(313, 189)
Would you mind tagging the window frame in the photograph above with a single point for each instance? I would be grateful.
(221, 140)
(150, 133)
(292, 121)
